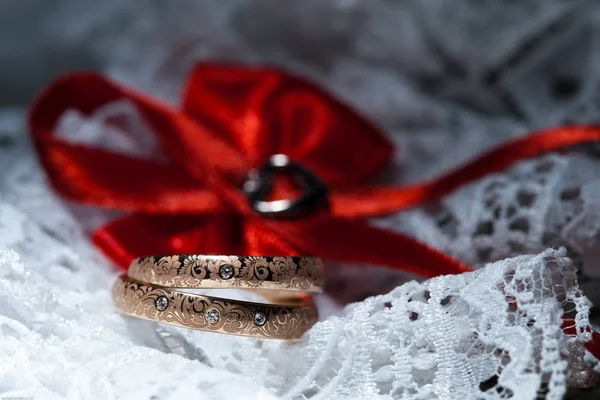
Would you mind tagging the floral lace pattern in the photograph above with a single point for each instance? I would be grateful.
(494, 333)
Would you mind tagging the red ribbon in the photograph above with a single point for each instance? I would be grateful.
(232, 119)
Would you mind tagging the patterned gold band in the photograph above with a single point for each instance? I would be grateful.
(300, 274)
(194, 311)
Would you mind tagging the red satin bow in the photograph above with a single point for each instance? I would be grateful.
(233, 118)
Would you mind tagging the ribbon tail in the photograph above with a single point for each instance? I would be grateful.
(569, 328)
(141, 235)
(356, 241)
(378, 201)
(260, 240)
(593, 346)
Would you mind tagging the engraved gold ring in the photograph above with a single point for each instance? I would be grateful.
(149, 291)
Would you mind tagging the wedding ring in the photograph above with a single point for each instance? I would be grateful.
(149, 291)
(301, 274)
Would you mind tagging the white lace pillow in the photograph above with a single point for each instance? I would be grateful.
(487, 334)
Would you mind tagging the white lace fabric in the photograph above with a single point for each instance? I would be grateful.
(492, 333)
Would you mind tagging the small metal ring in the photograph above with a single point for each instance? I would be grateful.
(259, 186)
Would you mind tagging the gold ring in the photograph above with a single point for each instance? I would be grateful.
(148, 291)
(302, 274)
